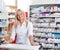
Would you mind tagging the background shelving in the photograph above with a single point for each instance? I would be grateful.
(3, 19)
(11, 10)
(46, 23)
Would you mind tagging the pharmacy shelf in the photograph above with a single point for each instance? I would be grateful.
(46, 23)
(47, 16)
(3, 20)
(1, 36)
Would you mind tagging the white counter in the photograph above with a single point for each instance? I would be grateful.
(19, 47)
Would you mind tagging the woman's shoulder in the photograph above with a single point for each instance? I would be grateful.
(30, 24)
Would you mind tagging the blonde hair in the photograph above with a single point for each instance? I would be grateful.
(18, 19)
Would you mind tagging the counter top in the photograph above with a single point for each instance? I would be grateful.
(18, 46)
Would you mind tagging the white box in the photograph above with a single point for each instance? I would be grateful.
(44, 24)
(57, 20)
(58, 25)
(52, 24)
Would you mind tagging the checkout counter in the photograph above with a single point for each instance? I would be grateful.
(19, 47)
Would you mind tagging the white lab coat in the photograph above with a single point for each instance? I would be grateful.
(23, 33)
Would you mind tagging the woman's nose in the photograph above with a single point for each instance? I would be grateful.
(20, 16)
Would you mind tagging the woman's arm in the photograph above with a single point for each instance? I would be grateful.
(30, 34)
(13, 33)
(32, 41)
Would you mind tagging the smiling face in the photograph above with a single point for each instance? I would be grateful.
(20, 16)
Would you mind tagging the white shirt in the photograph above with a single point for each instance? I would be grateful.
(23, 33)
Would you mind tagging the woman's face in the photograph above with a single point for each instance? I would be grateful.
(20, 16)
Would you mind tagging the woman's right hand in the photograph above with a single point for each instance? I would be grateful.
(8, 42)
(5, 42)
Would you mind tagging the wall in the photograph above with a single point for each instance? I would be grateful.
(9, 2)
(24, 4)
(45, 1)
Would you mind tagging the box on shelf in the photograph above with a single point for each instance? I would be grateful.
(52, 24)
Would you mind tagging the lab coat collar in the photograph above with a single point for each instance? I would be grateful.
(23, 23)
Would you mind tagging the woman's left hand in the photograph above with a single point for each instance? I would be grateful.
(34, 44)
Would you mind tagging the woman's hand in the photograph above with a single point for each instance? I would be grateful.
(8, 42)
(34, 44)
(5, 42)
(32, 41)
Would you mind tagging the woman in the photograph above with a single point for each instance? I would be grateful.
(24, 30)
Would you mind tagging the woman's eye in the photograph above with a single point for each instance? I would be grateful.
(17, 15)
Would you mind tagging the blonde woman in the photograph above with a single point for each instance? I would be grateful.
(24, 30)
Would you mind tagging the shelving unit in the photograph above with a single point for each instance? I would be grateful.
(11, 9)
(3, 20)
(46, 23)
(11, 19)
(11, 13)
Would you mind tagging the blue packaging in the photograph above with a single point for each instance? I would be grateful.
(56, 35)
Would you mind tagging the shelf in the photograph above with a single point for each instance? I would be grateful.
(41, 22)
(47, 42)
(11, 7)
(51, 46)
(46, 12)
(46, 27)
(11, 13)
(44, 5)
(46, 19)
(51, 12)
(47, 32)
(43, 37)
(1, 36)
(55, 16)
